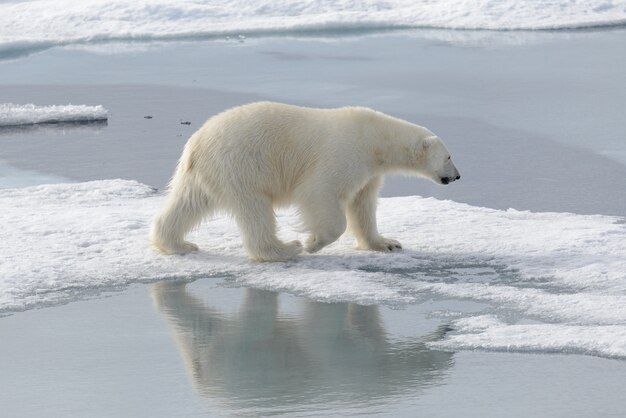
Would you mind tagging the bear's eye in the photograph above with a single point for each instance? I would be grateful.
(448, 157)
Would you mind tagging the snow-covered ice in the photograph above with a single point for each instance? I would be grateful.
(42, 23)
(30, 114)
(554, 281)
(487, 332)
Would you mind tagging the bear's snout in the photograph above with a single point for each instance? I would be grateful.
(447, 180)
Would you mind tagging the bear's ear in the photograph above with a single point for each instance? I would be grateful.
(428, 141)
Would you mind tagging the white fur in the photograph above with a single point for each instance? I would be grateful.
(328, 162)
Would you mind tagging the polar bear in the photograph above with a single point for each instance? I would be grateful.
(329, 163)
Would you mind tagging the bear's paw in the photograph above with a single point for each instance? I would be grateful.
(384, 245)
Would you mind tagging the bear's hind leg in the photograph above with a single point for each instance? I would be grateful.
(325, 221)
(256, 220)
(184, 209)
(361, 214)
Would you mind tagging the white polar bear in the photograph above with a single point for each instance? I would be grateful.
(328, 162)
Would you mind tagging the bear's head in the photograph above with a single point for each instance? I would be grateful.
(435, 162)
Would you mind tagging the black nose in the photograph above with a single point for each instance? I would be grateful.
(445, 180)
(458, 177)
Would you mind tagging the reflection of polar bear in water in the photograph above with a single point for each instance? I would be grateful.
(328, 162)
(320, 353)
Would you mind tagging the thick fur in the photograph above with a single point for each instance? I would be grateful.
(328, 162)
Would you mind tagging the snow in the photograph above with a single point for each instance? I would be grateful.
(42, 23)
(29, 114)
(565, 273)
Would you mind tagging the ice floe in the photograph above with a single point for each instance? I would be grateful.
(30, 114)
(39, 24)
(553, 281)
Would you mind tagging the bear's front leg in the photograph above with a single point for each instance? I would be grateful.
(361, 215)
